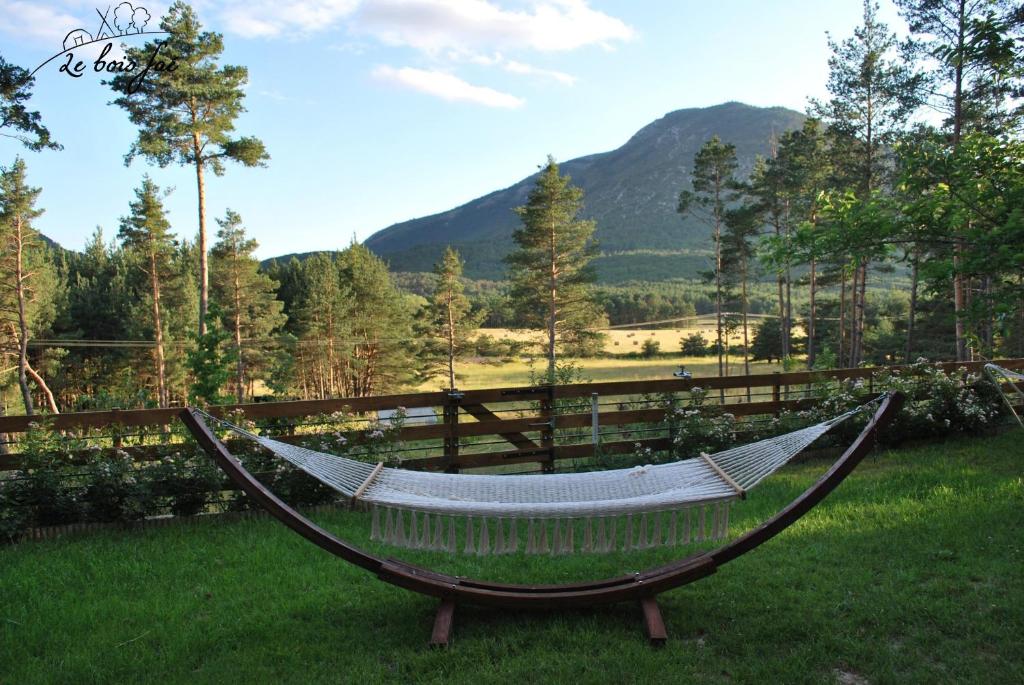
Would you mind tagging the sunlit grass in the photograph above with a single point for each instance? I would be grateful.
(910, 572)
(478, 374)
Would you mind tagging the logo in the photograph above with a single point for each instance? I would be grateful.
(124, 22)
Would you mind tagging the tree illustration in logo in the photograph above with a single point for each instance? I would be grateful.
(130, 19)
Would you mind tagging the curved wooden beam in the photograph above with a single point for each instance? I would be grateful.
(632, 587)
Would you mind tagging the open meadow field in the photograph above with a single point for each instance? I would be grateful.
(480, 372)
(910, 572)
(630, 340)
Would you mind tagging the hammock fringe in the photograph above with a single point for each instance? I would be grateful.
(557, 536)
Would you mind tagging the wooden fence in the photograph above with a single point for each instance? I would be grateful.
(495, 427)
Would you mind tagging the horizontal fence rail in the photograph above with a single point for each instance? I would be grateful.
(485, 428)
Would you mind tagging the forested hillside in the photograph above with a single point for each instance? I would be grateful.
(630, 192)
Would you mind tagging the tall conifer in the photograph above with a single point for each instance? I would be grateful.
(550, 268)
(247, 297)
(186, 115)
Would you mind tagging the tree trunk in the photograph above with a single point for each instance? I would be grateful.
(204, 269)
(988, 333)
(161, 387)
(553, 313)
(912, 314)
(451, 338)
(782, 313)
(722, 368)
(19, 291)
(854, 343)
(959, 296)
(787, 324)
(240, 364)
(50, 400)
(811, 315)
(842, 317)
(861, 302)
(746, 342)
(789, 313)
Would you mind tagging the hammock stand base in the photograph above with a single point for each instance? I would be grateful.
(643, 587)
(654, 624)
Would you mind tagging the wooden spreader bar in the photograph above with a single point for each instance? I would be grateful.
(639, 587)
(368, 482)
(725, 476)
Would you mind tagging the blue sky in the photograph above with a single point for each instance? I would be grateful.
(377, 111)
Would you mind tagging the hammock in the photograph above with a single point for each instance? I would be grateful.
(622, 509)
(643, 586)
(996, 374)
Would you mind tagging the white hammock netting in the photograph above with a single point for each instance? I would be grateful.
(999, 375)
(634, 508)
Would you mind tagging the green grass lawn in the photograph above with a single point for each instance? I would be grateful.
(912, 571)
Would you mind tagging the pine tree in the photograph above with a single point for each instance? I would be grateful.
(788, 189)
(970, 50)
(210, 360)
(320, 320)
(100, 305)
(550, 267)
(382, 348)
(247, 298)
(873, 93)
(187, 115)
(449, 317)
(355, 328)
(742, 225)
(714, 187)
(770, 192)
(16, 121)
(27, 277)
(147, 233)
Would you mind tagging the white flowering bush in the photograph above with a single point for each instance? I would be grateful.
(941, 404)
(183, 480)
(113, 490)
(693, 431)
(381, 441)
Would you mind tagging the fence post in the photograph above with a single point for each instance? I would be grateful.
(776, 387)
(118, 441)
(547, 435)
(594, 422)
(451, 434)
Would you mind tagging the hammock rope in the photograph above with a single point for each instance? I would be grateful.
(677, 503)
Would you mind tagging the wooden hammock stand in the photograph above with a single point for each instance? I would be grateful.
(643, 587)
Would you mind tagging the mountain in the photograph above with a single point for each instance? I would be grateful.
(631, 192)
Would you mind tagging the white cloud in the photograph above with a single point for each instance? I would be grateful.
(39, 22)
(437, 25)
(514, 67)
(510, 65)
(270, 18)
(446, 86)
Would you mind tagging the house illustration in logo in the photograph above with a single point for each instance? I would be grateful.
(76, 38)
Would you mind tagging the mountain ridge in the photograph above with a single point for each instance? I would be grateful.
(630, 191)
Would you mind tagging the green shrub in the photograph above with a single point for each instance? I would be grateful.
(694, 345)
(42, 487)
(113, 491)
(185, 480)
